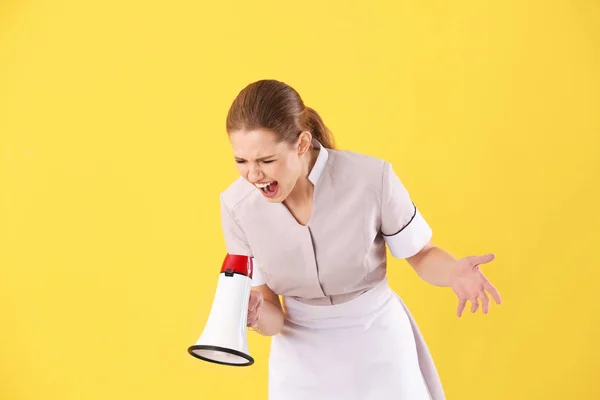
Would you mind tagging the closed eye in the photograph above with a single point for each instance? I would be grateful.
(239, 161)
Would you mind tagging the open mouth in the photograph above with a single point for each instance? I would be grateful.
(269, 189)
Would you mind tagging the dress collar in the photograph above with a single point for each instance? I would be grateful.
(319, 167)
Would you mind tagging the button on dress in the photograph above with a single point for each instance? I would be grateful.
(346, 334)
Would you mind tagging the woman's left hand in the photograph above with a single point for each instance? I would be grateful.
(469, 283)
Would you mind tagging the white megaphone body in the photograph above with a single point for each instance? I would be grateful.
(224, 339)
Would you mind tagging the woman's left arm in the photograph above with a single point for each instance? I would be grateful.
(438, 267)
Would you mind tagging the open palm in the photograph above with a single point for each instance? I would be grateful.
(469, 283)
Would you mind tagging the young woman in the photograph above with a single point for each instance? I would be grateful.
(317, 222)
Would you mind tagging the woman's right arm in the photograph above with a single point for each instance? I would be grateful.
(265, 313)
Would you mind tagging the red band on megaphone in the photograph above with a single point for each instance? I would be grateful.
(237, 264)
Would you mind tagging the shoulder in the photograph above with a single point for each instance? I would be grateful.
(237, 193)
(358, 167)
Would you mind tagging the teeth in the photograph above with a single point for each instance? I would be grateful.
(263, 185)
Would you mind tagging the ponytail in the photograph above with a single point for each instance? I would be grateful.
(319, 130)
(277, 107)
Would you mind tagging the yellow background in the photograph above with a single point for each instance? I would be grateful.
(113, 153)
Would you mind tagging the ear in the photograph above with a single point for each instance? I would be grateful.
(304, 142)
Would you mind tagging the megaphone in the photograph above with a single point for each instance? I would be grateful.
(224, 340)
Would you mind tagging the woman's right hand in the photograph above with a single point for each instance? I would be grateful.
(254, 305)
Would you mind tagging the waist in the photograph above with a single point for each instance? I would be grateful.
(338, 315)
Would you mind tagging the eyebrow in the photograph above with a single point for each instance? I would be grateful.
(258, 159)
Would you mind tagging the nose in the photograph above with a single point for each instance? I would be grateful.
(254, 174)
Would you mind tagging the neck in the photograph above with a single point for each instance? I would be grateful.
(303, 191)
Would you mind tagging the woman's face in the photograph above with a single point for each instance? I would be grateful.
(272, 167)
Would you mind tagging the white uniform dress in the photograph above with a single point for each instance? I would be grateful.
(347, 335)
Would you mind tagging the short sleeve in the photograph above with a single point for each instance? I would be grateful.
(404, 229)
(236, 242)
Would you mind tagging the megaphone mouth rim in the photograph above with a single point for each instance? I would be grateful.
(224, 350)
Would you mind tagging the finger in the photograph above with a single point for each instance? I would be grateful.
(462, 302)
(252, 319)
(254, 301)
(474, 304)
(492, 291)
(477, 260)
(485, 302)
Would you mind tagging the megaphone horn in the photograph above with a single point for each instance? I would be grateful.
(224, 338)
